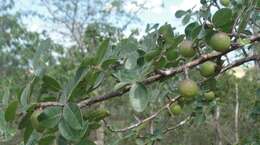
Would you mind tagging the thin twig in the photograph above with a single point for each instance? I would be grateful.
(240, 62)
(154, 115)
(178, 125)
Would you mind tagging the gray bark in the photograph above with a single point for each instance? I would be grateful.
(217, 126)
(237, 117)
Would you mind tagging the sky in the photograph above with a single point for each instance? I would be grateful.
(160, 11)
(163, 11)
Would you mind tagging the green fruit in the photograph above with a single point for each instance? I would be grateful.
(209, 96)
(188, 88)
(208, 68)
(35, 122)
(186, 49)
(176, 109)
(220, 42)
(225, 2)
(172, 54)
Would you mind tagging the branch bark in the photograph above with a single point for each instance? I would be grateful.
(217, 126)
(237, 117)
(241, 61)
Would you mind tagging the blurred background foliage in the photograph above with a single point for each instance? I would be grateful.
(80, 27)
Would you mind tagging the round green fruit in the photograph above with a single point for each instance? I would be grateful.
(171, 54)
(220, 42)
(186, 49)
(225, 2)
(188, 88)
(209, 96)
(176, 109)
(35, 122)
(207, 69)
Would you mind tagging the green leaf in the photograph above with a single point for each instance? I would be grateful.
(10, 111)
(96, 115)
(186, 19)
(25, 120)
(93, 76)
(166, 31)
(50, 117)
(27, 133)
(88, 61)
(222, 17)
(120, 85)
(203, 2)
(109, 62)
(69, 133)
(24, 99)
(73, 116)
(74, 83)
(196, 31)
(86, 141)
(50, 83)
(189, 29)
(151, 55)
(100, 77)
(27, 91)
(210, 84)
(6, 96)
(138, 97)
(258, 92)
(127, 76)
(208, 34)
(61, 141)
(180, 13)
(32, 140)
(131, 61)
(160, 62)
(46, 140)
(102, 50)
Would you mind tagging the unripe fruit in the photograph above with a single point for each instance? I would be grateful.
(209, 96)
(176, 109)
(188, 88)
(220, 42)
(171, 54)
(225, 2)
(208, 68)
(35, 122)
(186, 49)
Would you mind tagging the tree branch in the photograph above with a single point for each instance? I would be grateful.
(241, 61)
(162, 75)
